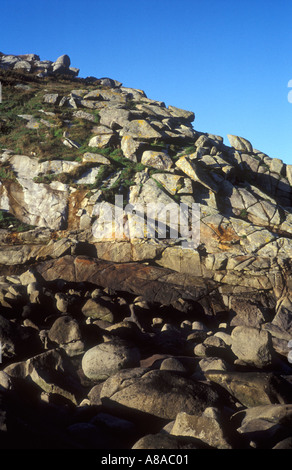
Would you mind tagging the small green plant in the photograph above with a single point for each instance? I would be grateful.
(264, 165)
(6, 173)
(158, 143)
(131, 105)
(105, 151)
(45, 179)
(139, 167)
(105, 171)
(154, 171)
(243, 214)
(256, 157)
(58, 133)
(9, 221)
(117, 155)
(189, 150)
(159, 185)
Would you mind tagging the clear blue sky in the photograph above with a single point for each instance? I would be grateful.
(229, 61)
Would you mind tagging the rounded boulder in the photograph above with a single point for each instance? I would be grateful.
(105, 359)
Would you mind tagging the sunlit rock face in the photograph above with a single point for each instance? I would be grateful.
(145, 269)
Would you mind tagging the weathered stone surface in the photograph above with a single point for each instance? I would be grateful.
(239, 143)
(114, 118)
(28, 277)
(79, 290)
(165, 441)
(51, 385)
(147, 193)
(38, 204)
(265, 425)
(106, 359)
(64, 60)
(5, 381)
(253, 388)
(95, 158)
(173, 364)
(283, 317)
(105, 81)
(213, 363)
(115, 96)
(51, 372)
(246, 312)
(129, 147)
(141, 130)
(66, 332)
(159, 393)
(21, 254)
(251, 346)
(62, 66)
(207, 427)
(62, 302)
(181, 260)
(50, 359)
(197, 173)
(181, 113)
(174, 184)
(23, 65)
(88, 177)
(154, 283)
(159, 160)
(214, 346)
(94, 309)
(103, 139)
(94, 394)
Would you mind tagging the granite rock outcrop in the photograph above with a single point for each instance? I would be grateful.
(146, 282)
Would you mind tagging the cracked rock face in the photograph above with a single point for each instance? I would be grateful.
(141, 262)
